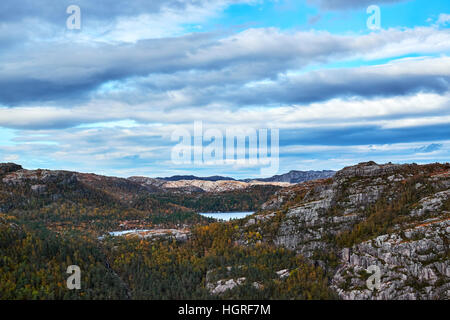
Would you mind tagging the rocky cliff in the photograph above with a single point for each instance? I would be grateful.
(396, 217)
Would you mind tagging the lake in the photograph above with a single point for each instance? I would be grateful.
(124, 232)
(226, 216)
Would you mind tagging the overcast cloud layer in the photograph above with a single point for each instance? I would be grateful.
(108, 97)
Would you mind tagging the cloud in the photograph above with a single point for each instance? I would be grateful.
(350, 4)
(49, 10)
(70, 71)
(107, 20)
(11, 158)
(314, 19)
(146, 149)
(429, 148)
(443, 19)
(394, 112)
(394, 79)
(212, 88)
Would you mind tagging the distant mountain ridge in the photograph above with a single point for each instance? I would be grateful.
(192, 177)
(293, 176)
(127, 188)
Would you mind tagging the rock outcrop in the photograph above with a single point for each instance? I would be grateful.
(9, 167)
(414, 264)
(300, 176)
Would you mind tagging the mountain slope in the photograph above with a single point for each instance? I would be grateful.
(396, 217)
(66, 196)
(315, 239)
(191, 177)
(300, 176)
(76, 198)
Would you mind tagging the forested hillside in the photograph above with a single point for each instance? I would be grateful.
(313, 240)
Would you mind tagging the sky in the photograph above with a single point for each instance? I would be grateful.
(108, 97)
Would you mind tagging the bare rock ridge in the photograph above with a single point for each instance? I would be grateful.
(369, 169)
(15, 174)
(300, 176)
(191, 177)
(293, 176)
(220, 184)
(203, 185)
(9, 167)
(21, 176)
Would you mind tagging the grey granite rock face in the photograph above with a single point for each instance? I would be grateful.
(39, 188)
(42, 177)
(431, 203)
(274, 203)
(222, 286)
(306, 225)
(410, 269)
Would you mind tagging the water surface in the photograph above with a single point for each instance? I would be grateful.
(124, 232)
(227, 216)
